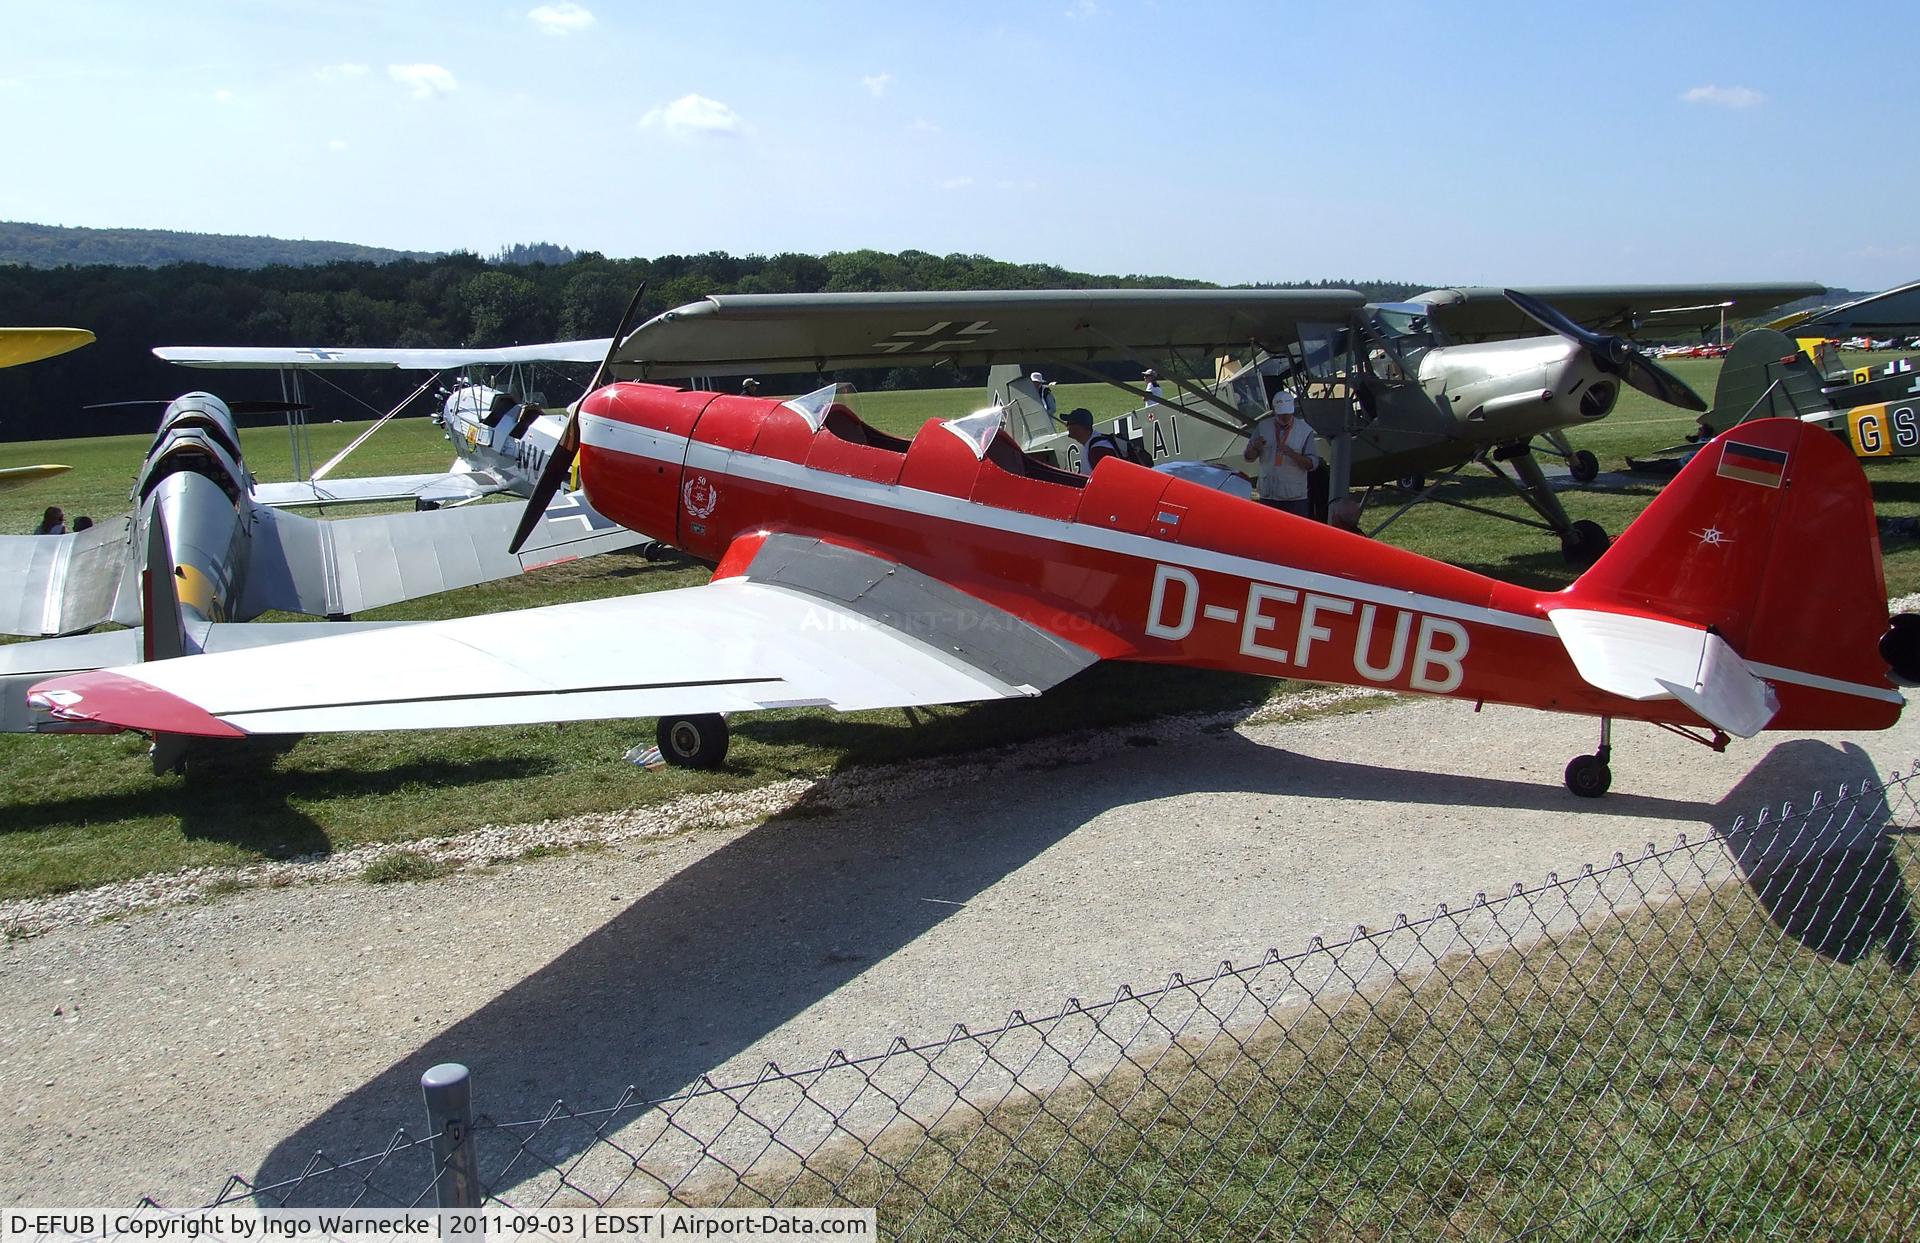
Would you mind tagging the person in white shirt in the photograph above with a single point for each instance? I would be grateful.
(1151, 379)
(1047, 399)
(1283, 445)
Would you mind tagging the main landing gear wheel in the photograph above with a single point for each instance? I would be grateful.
(693, 741)
(1583, 466)
(1588, 776)
(654, 550)
(1583, 543)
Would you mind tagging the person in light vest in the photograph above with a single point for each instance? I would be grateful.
(1283, 445)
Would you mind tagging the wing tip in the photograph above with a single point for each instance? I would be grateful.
(108, 698)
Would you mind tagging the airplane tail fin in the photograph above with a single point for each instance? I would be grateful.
(1766, 375)
(1767, 539)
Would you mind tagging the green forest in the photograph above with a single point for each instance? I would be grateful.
(457, 299)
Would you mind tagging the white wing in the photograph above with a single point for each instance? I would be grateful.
(355, 358)
(810, 625)
(443, 488)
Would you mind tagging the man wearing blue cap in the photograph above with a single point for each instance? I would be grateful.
(1093, 447)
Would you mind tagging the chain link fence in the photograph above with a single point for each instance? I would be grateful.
(1715, 1039)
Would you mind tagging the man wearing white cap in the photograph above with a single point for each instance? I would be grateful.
(1151, 379)
(1283, 445)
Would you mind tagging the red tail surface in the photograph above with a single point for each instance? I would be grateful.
(1768, 537)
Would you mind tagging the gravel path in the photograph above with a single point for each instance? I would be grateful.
(159, 1051)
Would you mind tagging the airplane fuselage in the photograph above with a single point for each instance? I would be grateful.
(1132, 564)
(494, 432)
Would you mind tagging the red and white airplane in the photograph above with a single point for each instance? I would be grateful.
(858, 570)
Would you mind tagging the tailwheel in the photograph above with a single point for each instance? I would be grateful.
(693, 741)
(1583, 466)
(1588, 775)
(1583, 542)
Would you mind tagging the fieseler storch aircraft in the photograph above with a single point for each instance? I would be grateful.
(859, 570)
(1453, 377)
(501, 437)
(199, 557)
(28, 345)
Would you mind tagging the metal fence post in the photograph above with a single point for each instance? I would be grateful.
(449, 1092)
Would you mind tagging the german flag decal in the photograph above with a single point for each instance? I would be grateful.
(1753, 463)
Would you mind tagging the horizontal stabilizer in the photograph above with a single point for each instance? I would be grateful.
(1643, 658)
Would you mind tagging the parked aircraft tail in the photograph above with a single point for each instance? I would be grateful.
(1767, 540)
(1766, 375)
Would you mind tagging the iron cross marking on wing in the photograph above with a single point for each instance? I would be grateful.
(934, 337)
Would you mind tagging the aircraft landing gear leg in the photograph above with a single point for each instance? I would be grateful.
(1588, 775)
(693, 741)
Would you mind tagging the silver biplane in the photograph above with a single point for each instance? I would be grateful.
(199, 557)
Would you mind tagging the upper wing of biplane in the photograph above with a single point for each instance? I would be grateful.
(1890, 312)
(27, 345)
(737, 333)
(1479, 313)
(807, 624)
(357, 358)
(439, 488)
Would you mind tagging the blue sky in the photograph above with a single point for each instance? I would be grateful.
(1482, 142)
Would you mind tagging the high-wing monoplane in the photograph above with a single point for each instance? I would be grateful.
(199, 557)
(1426, 387)
(860, 570)
(501, 437)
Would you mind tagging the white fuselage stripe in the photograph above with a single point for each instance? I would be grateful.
(1820, 682)
(621, 437)
(698, 455)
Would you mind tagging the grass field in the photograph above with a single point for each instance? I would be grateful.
(77, 811)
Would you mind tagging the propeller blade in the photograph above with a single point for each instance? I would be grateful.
(1612, 354)
(555, 472)
(552, 475)
(1609, 351)
(1660, 384)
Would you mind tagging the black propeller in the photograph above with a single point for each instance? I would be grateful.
(235, 407)
(554, 473)
(1613, 355)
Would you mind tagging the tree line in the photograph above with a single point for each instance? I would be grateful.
(450, 300)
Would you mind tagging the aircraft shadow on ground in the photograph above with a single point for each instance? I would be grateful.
(744, 939)
(1830, 880)
(247, 801)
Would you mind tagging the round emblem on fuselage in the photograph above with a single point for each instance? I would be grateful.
(700, 495)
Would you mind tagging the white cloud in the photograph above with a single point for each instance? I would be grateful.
(877, 83)
(956, 183)
(693, 115)
(1725, 96)
(424, 81)
(1084, 8)
(336, 144)
(560, 19)
(11, 84)
(223, 96)
(921, 125)
(339, 73)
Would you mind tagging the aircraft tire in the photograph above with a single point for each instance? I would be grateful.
(1588, 776)
(654, 550)
(1583, 543)
(693, 741)
(1900, 647)
(1583, 466)
(1413, 483)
